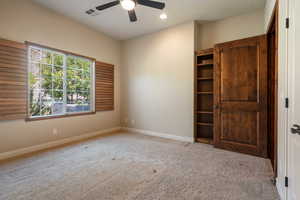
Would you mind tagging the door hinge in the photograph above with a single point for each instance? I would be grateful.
(287, 22)
(286, 181)
(287, 102)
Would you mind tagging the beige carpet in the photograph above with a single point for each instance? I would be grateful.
(130, 166)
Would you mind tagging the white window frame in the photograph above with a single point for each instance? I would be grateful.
(64, 68)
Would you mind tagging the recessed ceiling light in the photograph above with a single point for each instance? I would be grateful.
(163, 16)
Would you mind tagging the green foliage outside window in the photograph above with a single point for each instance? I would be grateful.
(48, 93)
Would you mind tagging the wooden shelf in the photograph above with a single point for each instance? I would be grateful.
(205, 64)
(205, 124)
(204, 78)
(209, 93)
(205, 52)
(205, 140)
(205, 112)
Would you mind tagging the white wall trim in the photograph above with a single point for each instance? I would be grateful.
(47, 145)
(161, 135)
(282, 123)
(280, 189)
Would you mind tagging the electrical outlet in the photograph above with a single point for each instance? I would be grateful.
(55, 131)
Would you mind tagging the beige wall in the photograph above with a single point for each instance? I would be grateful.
(22, 20)
(269, 8)
(157, 81)
(229, 29)
(157, 72)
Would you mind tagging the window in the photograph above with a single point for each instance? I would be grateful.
(59, 83)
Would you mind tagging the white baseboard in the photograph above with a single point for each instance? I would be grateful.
(162, 135)
(39, 147)
(280, 189)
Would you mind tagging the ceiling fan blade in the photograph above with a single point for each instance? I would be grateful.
(152, 4)
(108, 5)
(132, 16)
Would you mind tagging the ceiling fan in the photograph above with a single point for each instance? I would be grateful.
(128, 5)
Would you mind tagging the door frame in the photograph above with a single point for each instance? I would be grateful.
(292, 55)
(282, 124)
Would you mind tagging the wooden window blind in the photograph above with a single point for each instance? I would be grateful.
(104, 86)
(13, 80)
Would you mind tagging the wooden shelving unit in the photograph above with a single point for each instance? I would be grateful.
(204, 96)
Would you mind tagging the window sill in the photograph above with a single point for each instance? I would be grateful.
(58, 116)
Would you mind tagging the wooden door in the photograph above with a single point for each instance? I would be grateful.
(272, 38)
(240, 96)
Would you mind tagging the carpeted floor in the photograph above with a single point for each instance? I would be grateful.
(131, 166)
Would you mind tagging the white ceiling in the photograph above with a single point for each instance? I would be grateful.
(115, 21)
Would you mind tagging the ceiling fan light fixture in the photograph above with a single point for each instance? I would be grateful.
(163, 16)
(128, 4)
